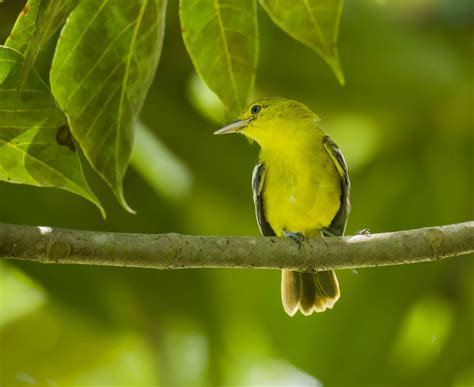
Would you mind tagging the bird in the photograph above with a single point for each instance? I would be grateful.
(301, 189)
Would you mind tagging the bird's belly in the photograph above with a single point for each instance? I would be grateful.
(301, 206)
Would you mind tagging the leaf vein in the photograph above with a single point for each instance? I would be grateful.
(101, 111)
(314, 21)
(226, 52)
(79, 39)
(125, 81)
(97, 91)
(97, 63)
(45, 165)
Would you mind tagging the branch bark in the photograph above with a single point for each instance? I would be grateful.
(175, 251)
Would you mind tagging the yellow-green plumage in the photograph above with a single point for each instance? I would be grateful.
(301, 185)
(302, 190)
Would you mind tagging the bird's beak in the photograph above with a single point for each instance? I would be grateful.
(233, 127)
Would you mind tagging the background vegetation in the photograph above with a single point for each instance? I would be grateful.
(404, 121)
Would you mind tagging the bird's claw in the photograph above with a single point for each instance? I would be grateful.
(365, 232)
(298, 237)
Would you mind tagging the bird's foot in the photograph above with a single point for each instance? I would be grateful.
(365, 232)
(298, 237)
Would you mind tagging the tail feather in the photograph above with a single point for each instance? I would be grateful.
(290, 291)
(327, 290)
(310, 292)
(326, 282)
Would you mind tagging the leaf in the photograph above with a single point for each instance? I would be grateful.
(221, 37)
(314, 23)
(31, 151)
(24, 27)
(38, 20)
(102, 69)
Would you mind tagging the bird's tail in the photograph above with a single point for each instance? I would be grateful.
(308, 292)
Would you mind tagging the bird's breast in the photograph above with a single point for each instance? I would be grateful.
(301, 194)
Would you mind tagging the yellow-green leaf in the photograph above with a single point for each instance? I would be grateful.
(221, 37)
(103, 66)
(38, 20)
(314, 23)
(24, 27)
(35, 147)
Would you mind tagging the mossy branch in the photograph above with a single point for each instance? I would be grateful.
(175, 251)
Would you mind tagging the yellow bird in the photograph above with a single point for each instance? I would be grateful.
(300, 189)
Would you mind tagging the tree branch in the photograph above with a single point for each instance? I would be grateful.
(175, 251)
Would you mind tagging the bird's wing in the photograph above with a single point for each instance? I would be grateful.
(258, 179)
(338, 224)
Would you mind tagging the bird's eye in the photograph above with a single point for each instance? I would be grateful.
(256, 109)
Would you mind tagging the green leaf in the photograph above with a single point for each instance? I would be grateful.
(314, 23)
(38, 20)
(221, 37)
(24, 27)
(35, 147)
(103, 66)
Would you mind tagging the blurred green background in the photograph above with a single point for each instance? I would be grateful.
(405, 123)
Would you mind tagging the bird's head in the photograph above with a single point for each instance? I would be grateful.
(274, 121)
